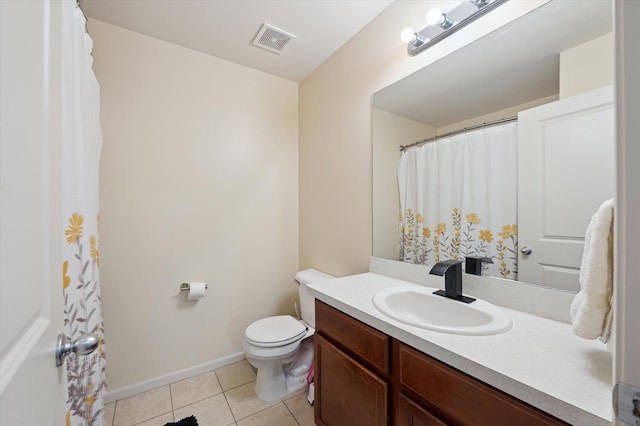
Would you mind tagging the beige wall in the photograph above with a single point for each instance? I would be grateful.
(335, 129)
(389, 132)
(198, 183)
(587, 66)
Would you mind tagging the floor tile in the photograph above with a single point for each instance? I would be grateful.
(213, 411)
(244, 402)
(217, 398)
(278, 415)
(143, 406)
(235, 375)
(158, 421)
(109, 411)
(194, 389)
(301, 409)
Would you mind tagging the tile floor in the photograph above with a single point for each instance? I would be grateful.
(221, 397)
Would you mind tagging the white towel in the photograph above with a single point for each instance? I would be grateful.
(591, 310)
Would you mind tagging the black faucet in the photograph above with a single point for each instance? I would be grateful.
(473, 264)
(452, 271)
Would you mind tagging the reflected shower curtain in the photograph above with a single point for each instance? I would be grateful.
(81, 146)
(458, 197)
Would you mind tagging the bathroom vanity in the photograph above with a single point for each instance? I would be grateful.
(360, 369)
(374, 370)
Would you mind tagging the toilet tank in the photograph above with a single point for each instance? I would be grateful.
(307, 307)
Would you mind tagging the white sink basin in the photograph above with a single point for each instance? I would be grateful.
(419, 307)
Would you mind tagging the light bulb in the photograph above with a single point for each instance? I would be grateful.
(434, 17)
(411, 37)
(407, 35)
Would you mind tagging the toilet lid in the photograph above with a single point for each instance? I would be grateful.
(275, 331)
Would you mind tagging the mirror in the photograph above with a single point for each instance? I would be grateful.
(525, 64)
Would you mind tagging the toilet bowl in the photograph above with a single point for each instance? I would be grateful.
(281, 347)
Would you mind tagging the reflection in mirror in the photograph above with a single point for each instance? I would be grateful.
(458, 198)
(553, 69)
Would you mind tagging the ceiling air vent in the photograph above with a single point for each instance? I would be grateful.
(272, 38)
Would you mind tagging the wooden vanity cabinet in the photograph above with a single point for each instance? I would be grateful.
(453, 397)
(411, 413)
(364, 377)
(351, 371)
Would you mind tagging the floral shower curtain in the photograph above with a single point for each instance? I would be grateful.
(81, 146)
(458, 197)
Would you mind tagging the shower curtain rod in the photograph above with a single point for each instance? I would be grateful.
(464, 130)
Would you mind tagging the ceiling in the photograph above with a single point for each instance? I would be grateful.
(515, 64)
(226, 28)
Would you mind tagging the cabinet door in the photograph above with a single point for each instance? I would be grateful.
(347, 393)
(368, 345)
(461, 399)
(411, 414)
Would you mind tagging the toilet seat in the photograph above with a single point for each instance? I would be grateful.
(275, 331)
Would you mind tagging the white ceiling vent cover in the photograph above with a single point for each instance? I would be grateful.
(272, 38)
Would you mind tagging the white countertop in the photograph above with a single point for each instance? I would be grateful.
(539, 360)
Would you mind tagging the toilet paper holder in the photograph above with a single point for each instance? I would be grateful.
(187, 287)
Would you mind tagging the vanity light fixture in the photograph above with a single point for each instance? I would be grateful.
(440, 24)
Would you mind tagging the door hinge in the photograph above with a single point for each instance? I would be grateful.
(626, 403)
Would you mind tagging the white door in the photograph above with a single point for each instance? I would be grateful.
(626, 365)
(565, 171)
(32, 388)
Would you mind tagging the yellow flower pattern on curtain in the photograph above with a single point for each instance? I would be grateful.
(419, 244)
(81, 290)
(81, 144)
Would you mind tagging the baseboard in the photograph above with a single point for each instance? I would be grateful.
(124, 392)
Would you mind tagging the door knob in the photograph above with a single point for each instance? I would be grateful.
(83, 345)
(526, 251)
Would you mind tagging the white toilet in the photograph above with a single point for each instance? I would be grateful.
(281, 347)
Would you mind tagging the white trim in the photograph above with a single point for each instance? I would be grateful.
(19, 353)
(135, 388)
(626, 364)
